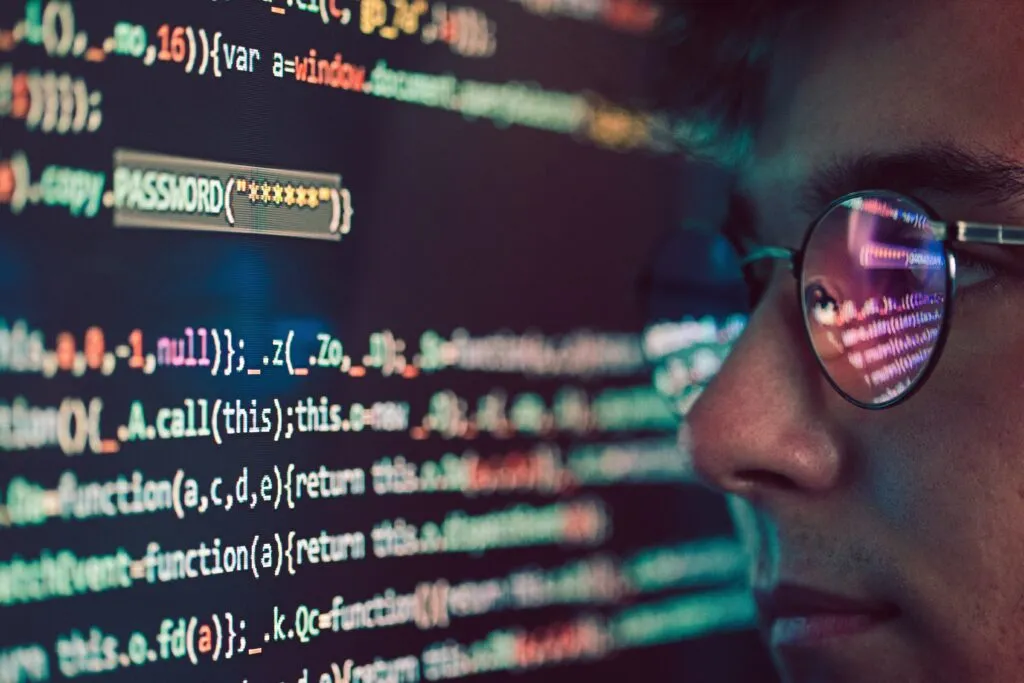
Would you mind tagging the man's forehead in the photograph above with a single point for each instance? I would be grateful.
(912, 69)
(877, 80)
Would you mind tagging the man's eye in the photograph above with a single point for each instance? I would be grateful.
(971, 270)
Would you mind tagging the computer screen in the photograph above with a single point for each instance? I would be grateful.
(321, 354)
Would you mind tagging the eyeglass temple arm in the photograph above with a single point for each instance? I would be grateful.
(958, 231)
(985, 233)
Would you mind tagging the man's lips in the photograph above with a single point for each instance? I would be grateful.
(797, 615)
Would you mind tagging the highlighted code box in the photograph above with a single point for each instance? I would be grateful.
(179, 193)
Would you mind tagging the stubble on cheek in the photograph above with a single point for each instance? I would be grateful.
(962, 521)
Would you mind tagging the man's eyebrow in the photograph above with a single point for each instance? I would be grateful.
(942, 168)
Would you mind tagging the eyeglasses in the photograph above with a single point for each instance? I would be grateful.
(875, 282)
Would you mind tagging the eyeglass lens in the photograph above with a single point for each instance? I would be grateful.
(873, 289)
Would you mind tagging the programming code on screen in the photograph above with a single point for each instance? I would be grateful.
(320, 355)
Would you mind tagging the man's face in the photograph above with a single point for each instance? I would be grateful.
(915, 512)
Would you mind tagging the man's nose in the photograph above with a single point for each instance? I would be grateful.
(762, 424)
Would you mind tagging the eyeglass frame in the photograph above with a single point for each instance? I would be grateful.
(946, 232)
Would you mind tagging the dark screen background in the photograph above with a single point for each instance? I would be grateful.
(458, 223)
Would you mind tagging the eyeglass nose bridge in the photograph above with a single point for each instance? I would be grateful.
(792, 257)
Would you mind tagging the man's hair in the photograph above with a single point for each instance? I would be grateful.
(720, 55)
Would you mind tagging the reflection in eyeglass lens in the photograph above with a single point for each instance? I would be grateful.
(874, 284)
